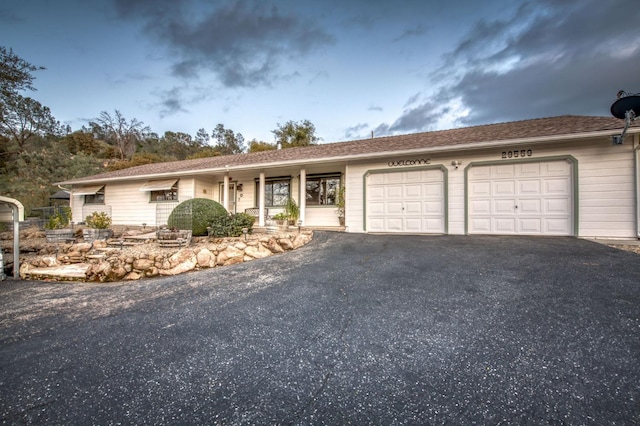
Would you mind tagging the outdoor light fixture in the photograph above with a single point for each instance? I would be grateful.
(456, 163)
(239, 187)
(245, 231)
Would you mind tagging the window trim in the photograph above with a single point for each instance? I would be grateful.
(319, 177)
(174, 189)
(288, 179)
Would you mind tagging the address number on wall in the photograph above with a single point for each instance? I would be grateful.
(517, 153)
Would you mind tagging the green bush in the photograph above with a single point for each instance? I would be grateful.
(60, 219)
(98, 220)
(231, 225)
(195, 214)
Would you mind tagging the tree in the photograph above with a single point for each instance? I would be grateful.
(15, 73)
(119, 132)
(259, 146)
(202, 137)
(293, 134)
(21, 118)
(83, 141)
(228, 143)
(205, 153)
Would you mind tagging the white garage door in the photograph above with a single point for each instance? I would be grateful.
(525, 198)
(411, 202)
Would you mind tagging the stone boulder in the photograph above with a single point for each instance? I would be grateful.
(206, 259)
(258, 252)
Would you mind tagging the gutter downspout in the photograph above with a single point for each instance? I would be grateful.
(18, 215)
(636, 151)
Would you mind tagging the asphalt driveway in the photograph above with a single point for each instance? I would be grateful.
(358, 329)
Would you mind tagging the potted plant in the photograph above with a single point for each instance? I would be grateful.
(99, 224)
(340, 204)
(280, 218)
(56, 227)
(292, 211)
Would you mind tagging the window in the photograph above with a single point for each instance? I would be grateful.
(322, 189)
(97, 198)
(170, 194)
(276, 191)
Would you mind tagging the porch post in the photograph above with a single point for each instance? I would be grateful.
(303, 194)
(261, 200)
(225, 192)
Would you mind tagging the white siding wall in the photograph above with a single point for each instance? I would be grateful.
(204, 187)
(605, 182)
(129, 205)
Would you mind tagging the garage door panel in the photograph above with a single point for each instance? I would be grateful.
(393, 192)
(390, 178)
(413, 224)
(529, 169)
(376, 208)
(434, 225)
(557, 168)
(504, 206)
(435, 190)
(480, 173)
(532, 206)
(376, 193)
(559, 226)
(412, 191)
(529, 187)
(481, 189)
(507, 187)
(530, 225)
(557, 186)
(415, 176)
(480, 207)
(376, 224)
(505, 225)
(531, 198)
(413, 207)
(394, 224)
(433, 207)
(557, 206)
(393, 208)
(504, 171)
(480, 225)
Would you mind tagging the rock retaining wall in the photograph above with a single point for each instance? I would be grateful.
(148, 260)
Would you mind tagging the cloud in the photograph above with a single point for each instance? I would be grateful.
(375, 108)
(416, 31)
(243, 43)
(355, 132)
(548, 58)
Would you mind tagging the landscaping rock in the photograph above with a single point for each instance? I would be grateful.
(259, 252)
(150, 260)
(143, 264)
(206, 259)
(229, 253)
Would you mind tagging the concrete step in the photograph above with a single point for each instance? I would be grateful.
(76, 271)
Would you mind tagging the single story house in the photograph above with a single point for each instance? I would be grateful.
(550, 176)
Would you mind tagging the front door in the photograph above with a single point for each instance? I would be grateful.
(233, 193)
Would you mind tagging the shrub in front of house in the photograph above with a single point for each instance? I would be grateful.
(231, 225)
(195, 214)
(59, 220)
(98, 220)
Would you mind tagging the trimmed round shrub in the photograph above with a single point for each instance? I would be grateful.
(195, 214)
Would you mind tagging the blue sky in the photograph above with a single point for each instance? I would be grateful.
(351, 67)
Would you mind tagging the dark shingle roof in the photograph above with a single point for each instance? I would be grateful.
(542, 127)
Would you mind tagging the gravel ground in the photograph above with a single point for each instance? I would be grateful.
(350, 329)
